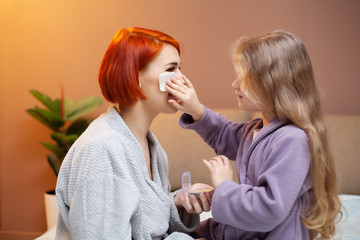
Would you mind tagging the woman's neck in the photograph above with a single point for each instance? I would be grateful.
(137, 119)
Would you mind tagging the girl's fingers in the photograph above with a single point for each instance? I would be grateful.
(208, 165)
(176, 85)
(187, 81)
(174, 103)
(178, 94)
(216, 161)
(225, 160)
(222, 160)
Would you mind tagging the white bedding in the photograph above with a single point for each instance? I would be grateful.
(348, 228)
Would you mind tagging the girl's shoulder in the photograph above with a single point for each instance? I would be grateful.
(290, 134)
(278, 131)
(292, 130)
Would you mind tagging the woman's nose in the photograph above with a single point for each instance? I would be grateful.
(178, 73)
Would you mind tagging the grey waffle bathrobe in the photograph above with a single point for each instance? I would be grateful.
(104, 190)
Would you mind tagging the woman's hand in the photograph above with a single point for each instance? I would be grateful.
(220, 169)
(192, 204)
(187, 100)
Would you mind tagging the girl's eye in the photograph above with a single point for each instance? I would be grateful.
(170, 69)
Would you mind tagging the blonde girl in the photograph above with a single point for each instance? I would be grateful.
(287, 183)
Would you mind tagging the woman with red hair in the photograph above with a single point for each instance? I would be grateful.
(113, 183)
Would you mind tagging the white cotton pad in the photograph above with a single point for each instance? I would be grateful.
(163, 78)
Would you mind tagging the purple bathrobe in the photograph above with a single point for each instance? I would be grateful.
(273, 171)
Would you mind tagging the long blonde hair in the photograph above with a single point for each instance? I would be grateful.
(279, 75)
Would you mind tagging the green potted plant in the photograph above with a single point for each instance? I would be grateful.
(64, 117)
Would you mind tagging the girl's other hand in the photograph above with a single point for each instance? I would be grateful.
(187, 100)
(220, 169)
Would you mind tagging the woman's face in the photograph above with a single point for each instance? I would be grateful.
(167, 60)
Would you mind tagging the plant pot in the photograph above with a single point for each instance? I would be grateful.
(51, 209)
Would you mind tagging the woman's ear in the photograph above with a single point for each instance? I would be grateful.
(140, 80)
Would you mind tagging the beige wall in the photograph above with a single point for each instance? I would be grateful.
(47, 43)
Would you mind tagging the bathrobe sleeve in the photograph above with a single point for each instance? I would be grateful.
(220, 134)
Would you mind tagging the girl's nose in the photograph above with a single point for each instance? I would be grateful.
(235, 84)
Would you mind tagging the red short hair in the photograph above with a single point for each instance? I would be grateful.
(130, 50)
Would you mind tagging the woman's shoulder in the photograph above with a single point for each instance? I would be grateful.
(99, 150)
(105, 137)
(109, 128)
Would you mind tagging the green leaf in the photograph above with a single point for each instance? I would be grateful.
(55, 163)
(85, 106)
(78, 127)
(52, 117)
(57, 105)
(64, 140)
(37, 115)
(55, 149)
(68, 105)
(44, 99)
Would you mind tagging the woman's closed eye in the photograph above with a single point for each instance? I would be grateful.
(172, 69)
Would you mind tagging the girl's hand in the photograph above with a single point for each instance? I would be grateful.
(187, 100)
(192, 204)
(220, 169)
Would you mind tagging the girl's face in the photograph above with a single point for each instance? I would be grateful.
(167, 60)
(244, 102)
